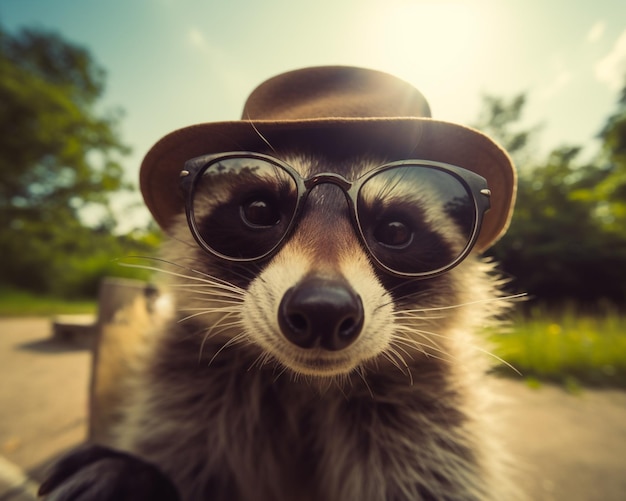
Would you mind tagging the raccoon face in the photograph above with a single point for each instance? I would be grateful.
(348, 277)
(318, 306)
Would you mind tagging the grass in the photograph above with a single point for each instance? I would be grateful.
(570, 348)
(14, 303)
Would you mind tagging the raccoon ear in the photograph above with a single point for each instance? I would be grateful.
(96, 473)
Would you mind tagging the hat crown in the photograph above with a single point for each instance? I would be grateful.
(334, 92)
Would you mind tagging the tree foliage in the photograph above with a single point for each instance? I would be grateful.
(567, 239)
(610, 190)
(499, 118)
(56, 152)
(59, 156)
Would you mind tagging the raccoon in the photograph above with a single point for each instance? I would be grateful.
(323, 342)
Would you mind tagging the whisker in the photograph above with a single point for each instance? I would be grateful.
(388, 356)
(212, 289)
(415, 315)
(410, 342)
(245, 274)
(400, 343)
(420, 332)
(211, 332)
(396, 358)
(472, 303)
(496, 357)
(257, 361)
(239, 338)
(423, 347)
(361, 372)
(420, 346)
(261, 135)
(236, 306)
(202, 276)
(204, 311)
(280, 373)
(215, 297)
(417, 295)
(218, 327)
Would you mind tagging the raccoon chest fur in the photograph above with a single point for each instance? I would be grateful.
(228, 432)
(315, 373)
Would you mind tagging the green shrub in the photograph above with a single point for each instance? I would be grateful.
(569, 347)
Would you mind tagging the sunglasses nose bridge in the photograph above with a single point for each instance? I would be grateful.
(328, 178)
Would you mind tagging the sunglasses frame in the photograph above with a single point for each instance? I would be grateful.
(475, 185)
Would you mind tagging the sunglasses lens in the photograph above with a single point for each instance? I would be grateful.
(243, 206)
(416, 219)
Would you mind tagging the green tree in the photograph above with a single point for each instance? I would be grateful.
(555, 249)
(567, 239)
(59, 156)
(610, 190)
(55, 150)
(499, 118)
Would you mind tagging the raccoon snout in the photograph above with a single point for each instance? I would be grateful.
(321, 310)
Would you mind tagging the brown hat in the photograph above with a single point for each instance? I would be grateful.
(338, 110)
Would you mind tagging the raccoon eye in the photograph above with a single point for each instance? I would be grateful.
(393, 233)
(260, 212)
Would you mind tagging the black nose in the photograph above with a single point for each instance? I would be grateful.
(324, 310)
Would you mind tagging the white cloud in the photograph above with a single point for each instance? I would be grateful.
(557, 85)
(596, 31)
(611, 69)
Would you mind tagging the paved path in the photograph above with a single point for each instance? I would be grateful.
(43, 398)
(569, 447)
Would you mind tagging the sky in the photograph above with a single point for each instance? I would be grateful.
(174, 63)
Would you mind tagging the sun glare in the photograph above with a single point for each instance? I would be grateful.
(434, 45)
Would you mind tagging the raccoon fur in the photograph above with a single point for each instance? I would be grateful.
(226, 408)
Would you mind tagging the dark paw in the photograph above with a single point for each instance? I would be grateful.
(96, 473)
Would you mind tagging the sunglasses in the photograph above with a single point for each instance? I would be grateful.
(416, 218)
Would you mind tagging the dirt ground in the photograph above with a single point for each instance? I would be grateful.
(568, 447)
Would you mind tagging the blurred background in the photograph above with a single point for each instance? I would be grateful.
(87, 87)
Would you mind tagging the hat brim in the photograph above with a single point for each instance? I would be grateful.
(391, 139)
